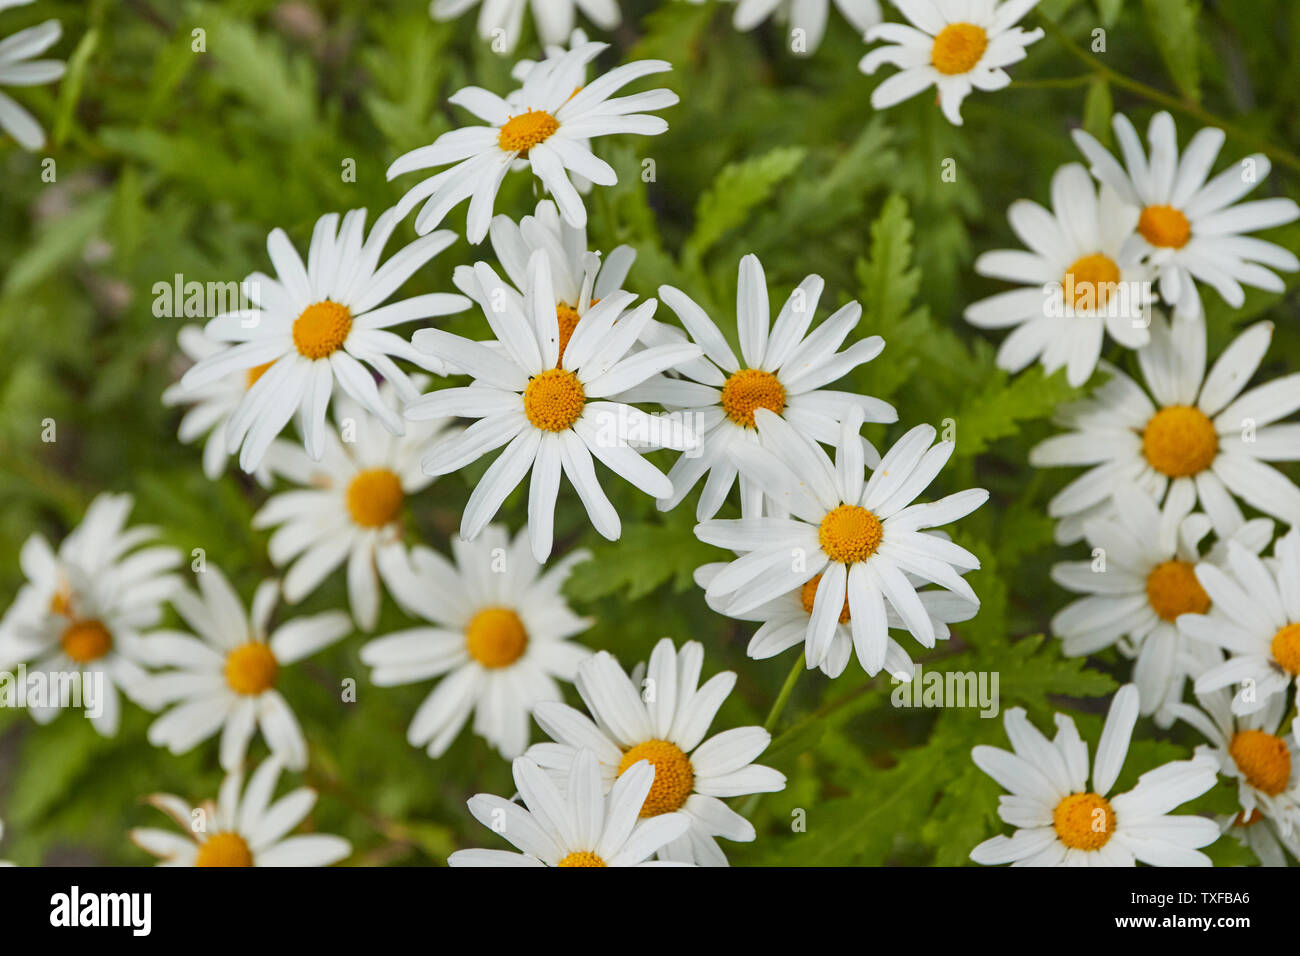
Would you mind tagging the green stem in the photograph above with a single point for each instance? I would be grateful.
(783, 697)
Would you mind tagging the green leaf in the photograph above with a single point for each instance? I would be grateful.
(644, 558)
(999, 408)
(1172, 24)
(735, 192)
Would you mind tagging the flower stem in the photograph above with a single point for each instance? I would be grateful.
(783, 697)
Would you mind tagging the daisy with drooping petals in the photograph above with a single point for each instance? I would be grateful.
(665, 726)
(1059, 821)
(577, 78)
(78, 618)
(547, 123)
(807, 16)
(953, 46)
(1202, 440)
(17, 68)
(498, 637)
(862, 537)
(575, 824)
(350, 506)
(224, 679)
(546, 408)
(320, 323)
(1079, 284)
(1262, 836)
(784, 370)
(553, 18)
(1187, 228)
(1144, 581)
(241, 828)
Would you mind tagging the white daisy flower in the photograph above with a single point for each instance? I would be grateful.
(1188, 228)
(1060, 821)
(548, 406)
(1140, 580)
(82, 610)
(575, 824)
(553, 18)
(241, 828)
(223, 680)
(349, 507)
(1255, 617)
(545, 124)
(1079, 285)
(953, 45)
(498, 637)
(1262, 836)
(577, 76)
(666, 725)
(319, 323)
(863, 537)
(1201, 440)
(18, 68)
(807, 16)
(784, 369)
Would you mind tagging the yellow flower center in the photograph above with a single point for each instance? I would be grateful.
(749, 390)
(86, 641)
(1248, 820)
(251, 669)
(61, 602)
(849, 534)
(375, 497)
(496, 637)
(582, 858)
(1180, 441)
(674, 775)
(1089, 281)
(224, 849)
(1164, 226)
(567, 316)
(958, 47)
(1263, 760)
(322, 329)
(1172, 589)
(1286, 648)
(1084, 821)
(257, 371)
(808, 596)
(554, 400)
(521, 133)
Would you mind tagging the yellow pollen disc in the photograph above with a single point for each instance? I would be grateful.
(86, 641)
(747, 391)
(1243, 820)
(251, 668)
(958, 47)
(808, 595)
(582, 858)
(674, 775)
(849, 534)
(1263, 760)
(257, 371)
(61, 603)
(1090, 280)
(1180, 441)
(1172, 589)
(322, 329)
(1164, 226)
(375, 498)
(568, 320)
(1084, 821)
(1286, 648)
(521, 133)
(496, 637)
(554, 400)
(224, 849)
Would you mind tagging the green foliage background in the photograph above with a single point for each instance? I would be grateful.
(171, 161)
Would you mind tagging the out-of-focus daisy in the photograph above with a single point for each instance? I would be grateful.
(349, 506)
(666, 725)
(553, 18)
(223, 680)
(577, 824)
(547, 123)
(784, 369)
(954, 46)
(1079, 285)
(241, 828)
(1202, 439)
(807, 16)
(1255, 617)
(320, 323)
(1189, 229)
(1060, 821)
(547, 408)
(82, 609)
(1262, 836)
(498, 637)
(862, 537)
(1143, 580)
(17, 68)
